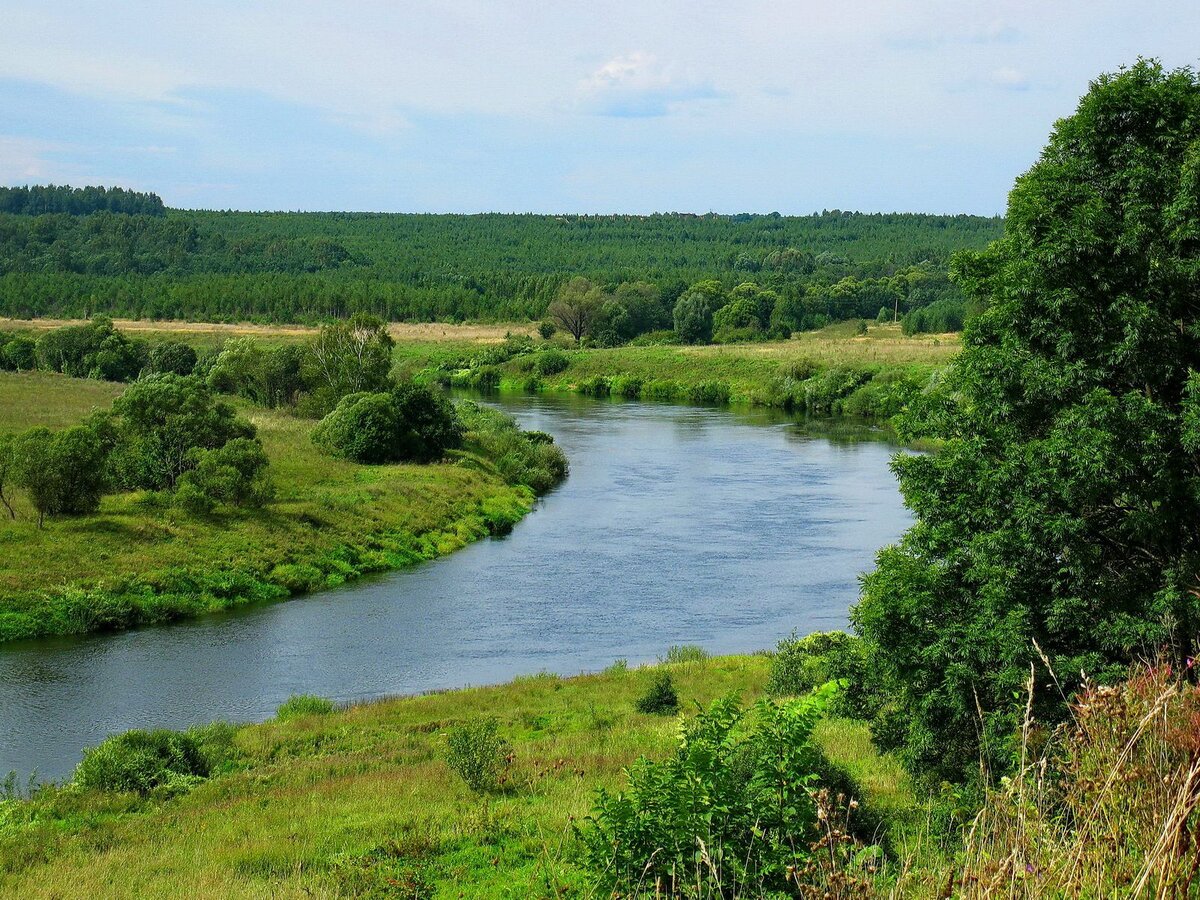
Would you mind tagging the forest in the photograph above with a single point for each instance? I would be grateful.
(66, 259)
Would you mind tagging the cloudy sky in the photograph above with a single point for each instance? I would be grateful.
(471, 105)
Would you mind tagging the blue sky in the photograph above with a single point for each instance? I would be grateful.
(468, 106)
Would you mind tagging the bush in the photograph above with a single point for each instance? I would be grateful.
(172, 356)
(547, 329)
(551, 362)
(411, 423)
(627, 386)
(141, 761)
(655, 338)
(161, 418)
(530, 458)
(823, 393)
(660, 697)
(236, 474)
(731, 814)
(63, 472)
(708, 392)
(596, 386)
(478, 755)
(802, 664)
(660, 389)
(300, 705)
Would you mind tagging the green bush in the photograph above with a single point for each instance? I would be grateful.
(236, 474)
(824, 392)
(141, 761)
(730, 814)
(655, 339)
(478, 755)
(596, 386)
(627, 386)
(530, 458)
(303, 705)
(802, 664)
(410, 423)
(660, 389)
(660, 697)
(551, 362)
(708, 392)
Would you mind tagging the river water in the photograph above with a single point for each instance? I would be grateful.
(676, 525)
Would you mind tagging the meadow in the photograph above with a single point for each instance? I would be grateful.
(361, 802)
(138, 559)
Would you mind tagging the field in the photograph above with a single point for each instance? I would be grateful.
(203, 335)
(140, 560)
(361, 803)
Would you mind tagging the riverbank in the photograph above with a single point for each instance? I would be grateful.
(140, 560)
(361, 802)
(832, 373)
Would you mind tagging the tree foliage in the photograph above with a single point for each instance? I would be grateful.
(162, 419)
(411, 423)
(1061, 506)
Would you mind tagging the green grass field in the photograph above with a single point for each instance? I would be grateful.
(140, 560)
(361, 803)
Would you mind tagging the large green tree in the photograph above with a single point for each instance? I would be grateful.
(162, 419)
(1061, 510)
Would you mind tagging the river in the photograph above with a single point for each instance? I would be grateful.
(676, 525)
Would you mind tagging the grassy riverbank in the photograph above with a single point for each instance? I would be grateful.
(832, 372)
(139, 559)
(361, 803)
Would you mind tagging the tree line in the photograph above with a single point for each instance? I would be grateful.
(310, 267)
(37, 200)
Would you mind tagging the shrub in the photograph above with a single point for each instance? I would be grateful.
(730, 814)
(63, 472)
(172, 356)
(823, 393)
(708, 392)
(478, 755)
(299, 705)
(596, 386)
(660, 389)
(530, 458)
(411, 423)
(141, 761)
(551, 362)
(546, 329)
(802, 664)
(660, 697)
(236, 474)
(161, 418)
(627, 386)
(655, 338)
(19, 354)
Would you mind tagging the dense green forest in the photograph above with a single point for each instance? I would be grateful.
(75, 260)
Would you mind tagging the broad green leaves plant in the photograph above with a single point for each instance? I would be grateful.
(731, 811)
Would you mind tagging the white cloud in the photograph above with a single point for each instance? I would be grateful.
(638, 84)
(1009, 78)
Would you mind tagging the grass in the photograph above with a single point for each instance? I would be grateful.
(362, 803)
(203, 335)
(54, 401)
(140, 560)
(767, 374)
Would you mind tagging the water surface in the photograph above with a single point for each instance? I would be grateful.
(676, 525)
